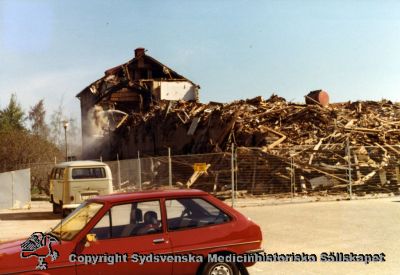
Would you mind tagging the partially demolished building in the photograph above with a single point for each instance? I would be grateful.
(145, 106)
(127, 91)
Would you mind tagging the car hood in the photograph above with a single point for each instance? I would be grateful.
(12, 262)
(10, 259)
(10, 247)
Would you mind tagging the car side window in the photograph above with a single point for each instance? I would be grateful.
(132, 219)
(193, 212)
(102, 229)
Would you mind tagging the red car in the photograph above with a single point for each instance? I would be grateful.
(153, 232)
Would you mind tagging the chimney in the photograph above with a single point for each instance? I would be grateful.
(139, 52)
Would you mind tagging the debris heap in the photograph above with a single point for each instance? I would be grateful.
(309, 139)
(271, 123)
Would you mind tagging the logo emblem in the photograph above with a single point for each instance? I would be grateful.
(40, 245)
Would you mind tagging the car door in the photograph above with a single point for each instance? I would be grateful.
(189, 217)
(134, 228)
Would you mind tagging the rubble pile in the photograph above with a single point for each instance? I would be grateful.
(273, 123)
(308, 138)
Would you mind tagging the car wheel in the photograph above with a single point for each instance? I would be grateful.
(220, 269)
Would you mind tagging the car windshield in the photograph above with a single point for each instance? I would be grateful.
(68, 228)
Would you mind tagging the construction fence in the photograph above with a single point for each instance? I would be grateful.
(328, 168)
(331, 168)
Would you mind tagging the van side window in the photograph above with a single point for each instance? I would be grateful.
(57, 173)
(53, 171)
(61, 174)
(88, 173)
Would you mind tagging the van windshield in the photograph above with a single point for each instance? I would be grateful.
(88, 173)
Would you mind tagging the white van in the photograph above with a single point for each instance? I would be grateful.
(73, 182)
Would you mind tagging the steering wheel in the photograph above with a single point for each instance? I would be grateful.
(151, 228)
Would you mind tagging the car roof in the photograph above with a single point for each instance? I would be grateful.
(148, 194)
(80, 163)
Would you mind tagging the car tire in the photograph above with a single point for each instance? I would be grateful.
(56, 208)
(220, 269)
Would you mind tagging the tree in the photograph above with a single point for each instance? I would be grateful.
(21, 149)
(56, 126)
(12, 117)
(74, 138)
(57, 135)
(37, 116)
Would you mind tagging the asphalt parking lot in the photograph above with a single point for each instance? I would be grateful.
(358, 226)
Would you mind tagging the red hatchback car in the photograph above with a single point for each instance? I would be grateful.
(153, 232)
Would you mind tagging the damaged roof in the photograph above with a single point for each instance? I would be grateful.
(141, 56)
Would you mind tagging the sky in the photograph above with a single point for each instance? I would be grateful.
(234, 50)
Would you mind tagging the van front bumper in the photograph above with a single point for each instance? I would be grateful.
(70, 206)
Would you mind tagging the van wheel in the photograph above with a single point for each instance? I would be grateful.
(220, 269)
(56, 208)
